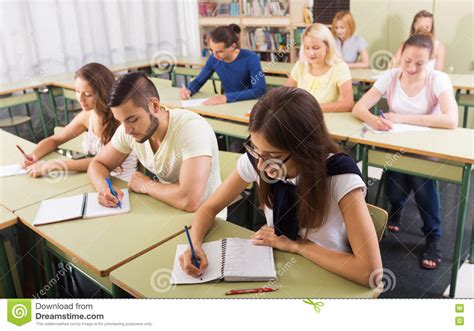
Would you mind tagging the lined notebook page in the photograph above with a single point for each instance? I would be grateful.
(94, 209)
(213, 251)
(245, 261)
(11, 170)
(57, 210)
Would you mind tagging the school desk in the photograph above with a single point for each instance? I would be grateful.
(439, 154)
(149, 275)
(97, 246)
(20, 191)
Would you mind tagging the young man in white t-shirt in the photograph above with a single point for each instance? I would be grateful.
(176, 145)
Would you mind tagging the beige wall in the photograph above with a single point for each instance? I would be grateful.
(386, 23)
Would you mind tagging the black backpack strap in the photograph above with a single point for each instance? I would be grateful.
(340, 164)
(284, 202)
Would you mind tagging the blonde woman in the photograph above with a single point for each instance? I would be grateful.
(322, 72)
(351, 46)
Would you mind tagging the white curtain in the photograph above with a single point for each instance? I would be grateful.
(46, 37)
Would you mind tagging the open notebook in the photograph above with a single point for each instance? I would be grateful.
(230, 259)
(77, 207)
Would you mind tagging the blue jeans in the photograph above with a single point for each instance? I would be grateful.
(426, 197)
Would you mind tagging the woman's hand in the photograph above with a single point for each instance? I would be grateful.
(40, 169)
(216, 100)
(185, 260)
(382, 124)
(266, 237)
(25, 163)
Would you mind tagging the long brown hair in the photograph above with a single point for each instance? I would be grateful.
(420, 14)
(291, 119)
(100, 79)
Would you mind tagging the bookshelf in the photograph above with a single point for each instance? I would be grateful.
(268, 26)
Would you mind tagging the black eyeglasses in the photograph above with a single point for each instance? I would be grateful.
(272, 162)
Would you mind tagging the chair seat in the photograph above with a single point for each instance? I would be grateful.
(14, 121)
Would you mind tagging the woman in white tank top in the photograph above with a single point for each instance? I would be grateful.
(421, 97)
(93, 83)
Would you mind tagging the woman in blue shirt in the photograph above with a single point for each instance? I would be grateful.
(239, 69)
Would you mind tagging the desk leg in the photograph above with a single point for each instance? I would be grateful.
(39, 105)
(53, 104)
(31, 249)
(466, 181)
(48, 270)
(365, 161)
(5, 273)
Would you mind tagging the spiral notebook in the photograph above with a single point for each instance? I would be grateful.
(230, 260)
(81, 206)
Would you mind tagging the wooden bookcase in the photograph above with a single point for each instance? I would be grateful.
(271, 36)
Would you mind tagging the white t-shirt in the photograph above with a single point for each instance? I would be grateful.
(332, 234)
(418, 104)
(189, 135)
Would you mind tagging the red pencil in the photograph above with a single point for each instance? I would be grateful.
(252, 290)
(29, 158)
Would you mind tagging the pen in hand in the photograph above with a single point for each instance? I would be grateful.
(29, 158)
(194, 258)
(111, 188)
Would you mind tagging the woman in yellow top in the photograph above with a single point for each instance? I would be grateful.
(322, 72)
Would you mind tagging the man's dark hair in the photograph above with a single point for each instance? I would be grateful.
(136, 86)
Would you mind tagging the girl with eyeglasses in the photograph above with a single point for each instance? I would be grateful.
(313, 195)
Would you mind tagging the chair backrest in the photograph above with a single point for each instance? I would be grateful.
(379, 218)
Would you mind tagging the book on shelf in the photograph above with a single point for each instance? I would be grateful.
(265, 7)
(221, 9)
(297, 36)
(264, 39)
